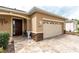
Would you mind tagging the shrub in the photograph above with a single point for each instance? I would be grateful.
(78, 30)
(77, 22)
(4, 38)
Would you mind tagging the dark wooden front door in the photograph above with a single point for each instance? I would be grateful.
(17, 27)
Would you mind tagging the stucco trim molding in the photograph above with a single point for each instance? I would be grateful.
(52, 20)
(12, 14)
(36, 32)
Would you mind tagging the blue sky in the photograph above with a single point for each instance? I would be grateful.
(66, 11)
(64, 8)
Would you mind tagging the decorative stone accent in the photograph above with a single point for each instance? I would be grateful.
(37, 36)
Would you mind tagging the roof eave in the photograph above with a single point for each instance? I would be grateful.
(35, 9)
(12, 10)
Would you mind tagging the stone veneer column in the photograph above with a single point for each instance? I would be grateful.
(36, 35)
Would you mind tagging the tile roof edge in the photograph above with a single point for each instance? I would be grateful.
(12, 9)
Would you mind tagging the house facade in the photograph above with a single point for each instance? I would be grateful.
(40, 23)
(71, 25)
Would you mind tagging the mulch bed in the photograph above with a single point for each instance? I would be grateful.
(11, 48)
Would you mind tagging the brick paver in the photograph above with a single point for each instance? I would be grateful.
(61, 44)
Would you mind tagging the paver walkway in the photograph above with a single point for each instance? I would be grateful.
(61, 44)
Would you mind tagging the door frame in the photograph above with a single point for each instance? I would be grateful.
(12, 25)
(17, 27)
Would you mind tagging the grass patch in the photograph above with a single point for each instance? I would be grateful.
(1, 50)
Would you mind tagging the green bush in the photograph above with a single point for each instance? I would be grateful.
(78, 30)
(4, 38)
(77, 22)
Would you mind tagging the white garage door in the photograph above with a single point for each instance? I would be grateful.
(51, 30)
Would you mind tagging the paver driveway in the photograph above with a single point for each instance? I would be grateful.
(61, 44)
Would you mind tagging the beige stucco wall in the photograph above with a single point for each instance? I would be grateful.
(29, 25)
(34, 23)
(25, 24)
(6, 27)
(39, 17)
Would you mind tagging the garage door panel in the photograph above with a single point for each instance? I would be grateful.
(51, 30)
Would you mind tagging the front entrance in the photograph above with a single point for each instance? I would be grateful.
(17, 27)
